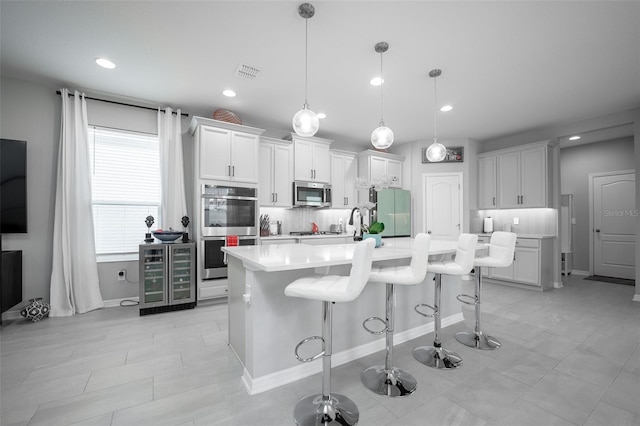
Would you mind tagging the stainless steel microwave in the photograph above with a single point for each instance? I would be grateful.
(311, 194)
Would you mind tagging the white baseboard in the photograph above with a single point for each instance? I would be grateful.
(273, 380)
(579, 272)
(636, 297)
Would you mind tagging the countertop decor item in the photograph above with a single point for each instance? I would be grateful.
(167, 236)
(226, 116)
(185, 223)
(373, 231)
(35, 310)
(148, 221)
(382, 136)
(306, 122)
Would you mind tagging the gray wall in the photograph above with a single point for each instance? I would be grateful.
(576, 163)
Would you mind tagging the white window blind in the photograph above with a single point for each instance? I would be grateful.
(125, 186)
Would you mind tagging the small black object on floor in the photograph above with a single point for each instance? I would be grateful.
(612, 280)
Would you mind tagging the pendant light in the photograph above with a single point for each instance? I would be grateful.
(436, 151)
(382, 136)
(306, 122)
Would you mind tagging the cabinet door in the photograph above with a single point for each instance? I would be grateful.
(153, 275)
(283, 175)
(526, 267)
(215, 153)
(394, 169)
(321, 163)
(303, 154)
(533, 177)
(509, 180)
(338, 196)
(487, 180)
(244, 157)
(377, 167)
(266, 195)
(350, 178)
(182, 273)
(505, 273)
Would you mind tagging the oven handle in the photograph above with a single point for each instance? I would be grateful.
(228, 197)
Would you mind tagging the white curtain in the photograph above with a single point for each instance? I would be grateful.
(173, 204)
(75, 286)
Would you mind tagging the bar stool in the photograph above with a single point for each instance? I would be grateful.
(330, 408)
(386, 379)
(501, 249)
(436, 356)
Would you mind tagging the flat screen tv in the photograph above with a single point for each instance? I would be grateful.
(13, 186)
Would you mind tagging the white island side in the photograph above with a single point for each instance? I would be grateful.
(265, 325)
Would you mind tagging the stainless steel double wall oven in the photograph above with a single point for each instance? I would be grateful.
(226, 210)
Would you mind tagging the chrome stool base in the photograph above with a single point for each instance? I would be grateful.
(393, 382)
(313, 410)
(477, 340)
(437, 357)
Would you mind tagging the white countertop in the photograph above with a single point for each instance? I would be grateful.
(285, 257)
(301, 237)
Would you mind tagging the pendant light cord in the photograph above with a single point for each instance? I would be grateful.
(435, 110)
(306, 59)
(381, 83)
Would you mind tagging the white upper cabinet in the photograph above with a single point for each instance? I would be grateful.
(344, 173)
(488, 179)
(311, 159)
(515, 177)
(276, 173)
(373, 164)
(225, 151)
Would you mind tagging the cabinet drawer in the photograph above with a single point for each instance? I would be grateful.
(528, 242)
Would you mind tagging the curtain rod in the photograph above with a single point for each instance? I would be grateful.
(184, 114)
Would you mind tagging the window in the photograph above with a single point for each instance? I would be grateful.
(125, 187)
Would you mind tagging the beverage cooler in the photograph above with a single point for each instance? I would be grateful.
(167, 277)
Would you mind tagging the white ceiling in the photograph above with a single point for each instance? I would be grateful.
(507, 66)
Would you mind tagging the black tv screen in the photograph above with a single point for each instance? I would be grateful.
(13, 186)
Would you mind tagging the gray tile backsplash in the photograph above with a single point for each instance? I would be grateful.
(531, 221)
(300, 219)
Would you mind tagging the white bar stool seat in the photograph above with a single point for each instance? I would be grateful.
(386, 379)
(436, 356)
(501, 250)
(327, 408)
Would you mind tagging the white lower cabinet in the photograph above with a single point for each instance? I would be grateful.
(532, 265)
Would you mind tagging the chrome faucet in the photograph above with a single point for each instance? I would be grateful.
(356, 233)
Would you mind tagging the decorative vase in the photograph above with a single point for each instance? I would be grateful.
(376, 237)
(35, 310)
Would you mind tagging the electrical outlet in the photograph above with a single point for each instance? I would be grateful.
(122, 274)
(516, 221)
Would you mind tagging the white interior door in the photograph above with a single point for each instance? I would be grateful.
(443, 205)
(613, 216)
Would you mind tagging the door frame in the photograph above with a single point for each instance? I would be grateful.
(460, 177)
(592, 176)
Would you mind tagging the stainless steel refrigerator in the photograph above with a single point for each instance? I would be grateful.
(393, 208)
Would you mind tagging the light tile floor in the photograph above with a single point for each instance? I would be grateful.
(570, 356)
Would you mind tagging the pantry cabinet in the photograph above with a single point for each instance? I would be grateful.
(344, 174)
(515, 177)
(276, 173)
(225, 151)
(311, 159)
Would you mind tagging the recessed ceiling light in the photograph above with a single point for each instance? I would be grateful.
(574, 138)
(105, 63)
(322, 115)
(446, 108)
(376, 81)
(229, 93)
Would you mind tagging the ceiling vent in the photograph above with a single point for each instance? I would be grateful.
(246, 72)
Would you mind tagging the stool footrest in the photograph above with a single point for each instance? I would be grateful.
(307, 340)
(424, 305)
(386, 326)
(467, 299)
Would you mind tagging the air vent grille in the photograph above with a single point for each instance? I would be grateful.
(246, 72)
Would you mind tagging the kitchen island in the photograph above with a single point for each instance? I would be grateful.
(265, 325)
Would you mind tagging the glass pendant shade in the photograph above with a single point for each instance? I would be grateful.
(306, 122)
(436, 151)
(382, 137)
